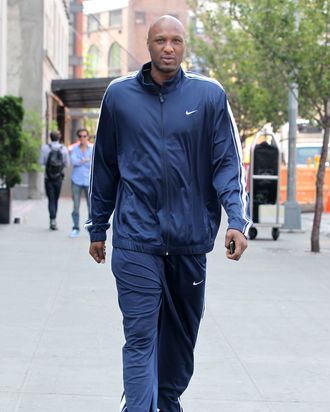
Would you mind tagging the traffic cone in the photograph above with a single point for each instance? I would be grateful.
(327, 205)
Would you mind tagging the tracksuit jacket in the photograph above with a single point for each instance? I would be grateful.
(165, 160)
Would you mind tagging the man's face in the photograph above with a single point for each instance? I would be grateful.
(166, 45)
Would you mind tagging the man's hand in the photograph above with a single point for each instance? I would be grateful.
(240, 243)
(97, 251)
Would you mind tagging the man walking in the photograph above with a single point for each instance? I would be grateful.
(167, 157)
(81, 155)
(55, 157)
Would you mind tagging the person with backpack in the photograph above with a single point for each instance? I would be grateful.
(55, 157)
(81, 156)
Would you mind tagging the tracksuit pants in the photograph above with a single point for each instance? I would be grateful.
(162, 302)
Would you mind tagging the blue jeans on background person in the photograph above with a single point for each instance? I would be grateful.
(76, 195)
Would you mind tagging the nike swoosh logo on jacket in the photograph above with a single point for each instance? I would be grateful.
(164, 174)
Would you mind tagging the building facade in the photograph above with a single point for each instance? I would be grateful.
(115, 38)
(3, 47)
(37, 52)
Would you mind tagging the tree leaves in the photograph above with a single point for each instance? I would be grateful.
(19, 140)
(234, 58)
(11, 139)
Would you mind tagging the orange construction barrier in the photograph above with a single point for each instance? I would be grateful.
(305, 186)
(327, 204)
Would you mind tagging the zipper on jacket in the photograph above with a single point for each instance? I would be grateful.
(162, 100)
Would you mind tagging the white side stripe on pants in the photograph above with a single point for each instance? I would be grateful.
(123, 407)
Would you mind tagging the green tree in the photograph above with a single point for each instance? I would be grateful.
(11, 140)
(91, 123)
(295, 36)
(233, 57)
(19, 140)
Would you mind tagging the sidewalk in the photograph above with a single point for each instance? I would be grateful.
(264, 344)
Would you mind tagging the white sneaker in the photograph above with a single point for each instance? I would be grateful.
(74, 233)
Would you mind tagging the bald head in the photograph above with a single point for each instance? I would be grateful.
(167, 21)
(166, 44)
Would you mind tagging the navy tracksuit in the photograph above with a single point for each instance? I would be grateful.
(162, 301)
(165, 160)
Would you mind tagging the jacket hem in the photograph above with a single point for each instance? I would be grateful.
(161, 249)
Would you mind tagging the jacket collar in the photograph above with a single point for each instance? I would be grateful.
(144, 77)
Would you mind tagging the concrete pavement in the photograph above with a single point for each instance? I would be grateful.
(264, 344)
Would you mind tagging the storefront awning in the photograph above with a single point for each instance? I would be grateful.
(81, 93)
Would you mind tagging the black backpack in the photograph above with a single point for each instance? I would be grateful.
(55, 164)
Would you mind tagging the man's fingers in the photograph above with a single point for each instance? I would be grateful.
(240, 244)
(97, 251)
(234, 256)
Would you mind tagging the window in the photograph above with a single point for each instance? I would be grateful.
(93, 59)
(93, 22)
(114, 60)
(140, 17)
(115, 18)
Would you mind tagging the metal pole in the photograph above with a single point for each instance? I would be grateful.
(3, 47)
(292, 211)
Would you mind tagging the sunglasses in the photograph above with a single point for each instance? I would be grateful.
(82, 135)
